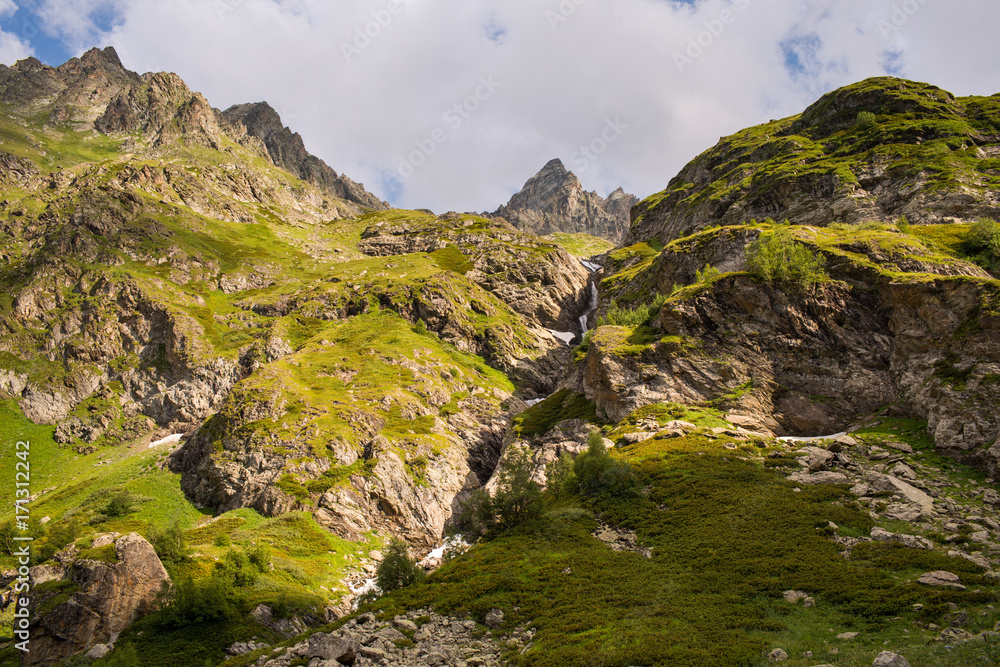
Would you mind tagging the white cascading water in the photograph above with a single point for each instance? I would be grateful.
(593, 306)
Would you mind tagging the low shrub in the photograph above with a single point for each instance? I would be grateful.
(621, 316)
(982, 243)
(169, 543)
(865, 120)
(777, 257)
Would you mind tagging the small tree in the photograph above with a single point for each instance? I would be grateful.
(776, 256)
(560, 476)
(598, 473)
(397, 570)
(518, 498)
(707, 274)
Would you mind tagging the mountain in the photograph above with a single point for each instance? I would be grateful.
(175, 270)
(878, 150)
(553, 200)
(96, 91)
(239, 380)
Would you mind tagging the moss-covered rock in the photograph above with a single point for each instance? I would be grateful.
(928, 156)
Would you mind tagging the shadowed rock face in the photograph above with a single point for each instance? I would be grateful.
(554, 201)
(108, 598)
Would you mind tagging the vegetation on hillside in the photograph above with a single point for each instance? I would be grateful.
(728, 536)
(777, 257)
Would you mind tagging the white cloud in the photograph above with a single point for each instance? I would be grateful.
(12, 46)
(675, 76)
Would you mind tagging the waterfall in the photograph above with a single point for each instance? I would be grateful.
(593, 306)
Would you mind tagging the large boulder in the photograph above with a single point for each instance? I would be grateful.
(107, 597)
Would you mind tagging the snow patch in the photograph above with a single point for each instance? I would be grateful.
(169, 440)
(565, 336)
(590, 266)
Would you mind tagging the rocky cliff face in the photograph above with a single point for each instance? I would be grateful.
(922, 153)
(897, 324)
(539, 280)
(554, 201)
(86, 601)
(76, 92)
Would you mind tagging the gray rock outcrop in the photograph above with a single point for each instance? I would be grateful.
(107, 598)
(421, 637)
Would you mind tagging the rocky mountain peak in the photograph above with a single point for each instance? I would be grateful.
(93, 60)
(287, 150)
(553, 200)
(96, 91)
(29, 64)
(259, 118)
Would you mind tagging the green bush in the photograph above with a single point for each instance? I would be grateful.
(169, 543)
(397, 570)
(597, 473)
(121, 504)
(560, 476)
(776, 257)
(620, 316)
(53, 538)
(240, 569)
(707, 274)
(196, 601)
(983, 243)
(865, 120)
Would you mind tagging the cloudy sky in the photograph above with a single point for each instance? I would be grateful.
(453, 104)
